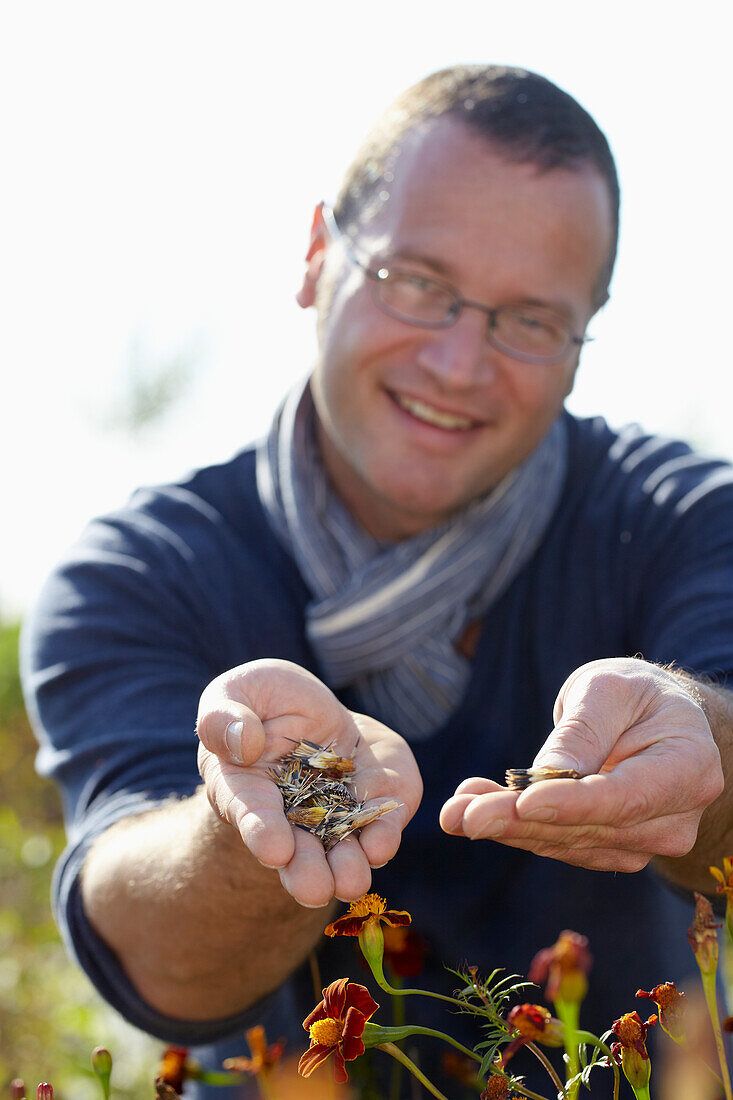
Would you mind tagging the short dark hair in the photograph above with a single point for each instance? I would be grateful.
(527, 116)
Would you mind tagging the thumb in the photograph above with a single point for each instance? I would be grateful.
(590, 715)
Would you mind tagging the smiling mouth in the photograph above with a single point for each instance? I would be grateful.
(430, 415)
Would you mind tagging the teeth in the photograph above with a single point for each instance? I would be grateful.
(431, 415)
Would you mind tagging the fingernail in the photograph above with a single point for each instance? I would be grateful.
(539, 813)
(233, 740)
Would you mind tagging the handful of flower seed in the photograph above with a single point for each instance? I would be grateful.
(315, 783)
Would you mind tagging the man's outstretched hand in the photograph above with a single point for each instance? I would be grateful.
(248, 718)
(650, 763)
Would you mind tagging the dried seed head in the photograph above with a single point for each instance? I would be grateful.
(518, 779)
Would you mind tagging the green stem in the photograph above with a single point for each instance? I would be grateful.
(641, 1093)
(398, 1018)
(375, 1035)
(218, 1077)
(589, 1037)
(569, 1013)
(395, 1051)
(542, 1057)
(708, 984)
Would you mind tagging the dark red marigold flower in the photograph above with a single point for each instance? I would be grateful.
(335, 1027)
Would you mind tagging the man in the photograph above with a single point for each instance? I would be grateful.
(430, 535)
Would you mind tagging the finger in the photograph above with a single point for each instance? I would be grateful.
(638, 789)
(381, 839)
(478, 785)
(673, 835)
(252, 805)
(229, 729)
(307, 877)
(495, 804)
(593, 859)
(352, 875)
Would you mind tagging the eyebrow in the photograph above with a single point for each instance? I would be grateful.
(448, 274)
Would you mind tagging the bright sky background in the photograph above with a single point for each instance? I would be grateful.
(160, 164)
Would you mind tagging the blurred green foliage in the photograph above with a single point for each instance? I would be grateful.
(50, 1016)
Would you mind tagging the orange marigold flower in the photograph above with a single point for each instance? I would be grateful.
(335, 1027)
(173, 1068)
(564, 967)
(630, 1050)
(536, 1024)
(404, 950)
(703, 936)
(263, 1058)
(724, 877)
(368, 909)
(671, 1005)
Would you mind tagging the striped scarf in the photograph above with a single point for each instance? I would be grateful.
(385, 617)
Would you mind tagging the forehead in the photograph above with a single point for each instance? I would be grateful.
(456, 199)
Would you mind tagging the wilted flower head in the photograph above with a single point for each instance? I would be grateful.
(17, 1089)
(564, 967)
(703, 936)
(536, 1024)
(630, 1050)
(671, 1005)
(263, 1058)
(335, 1027)
(498, 1089)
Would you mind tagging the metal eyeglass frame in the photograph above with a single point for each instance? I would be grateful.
(382, 274)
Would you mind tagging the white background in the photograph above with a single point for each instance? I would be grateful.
(160, 162)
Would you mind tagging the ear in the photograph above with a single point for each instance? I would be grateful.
(314, 259)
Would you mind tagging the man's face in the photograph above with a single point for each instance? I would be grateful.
(502, 234)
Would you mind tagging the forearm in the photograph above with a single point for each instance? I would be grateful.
(200, 927)
(715, 833)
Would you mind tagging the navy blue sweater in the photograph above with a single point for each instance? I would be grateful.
(188, 580)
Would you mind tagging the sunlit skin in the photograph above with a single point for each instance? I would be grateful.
(502, 233)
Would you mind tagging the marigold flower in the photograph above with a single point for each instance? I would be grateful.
(564, 967)
(725, 886)
(404, 950)
(536, 1024)
(335, 1027)
(630, 1050)
(724, 877)
(702, 935)
(263, 1058)
(173, 1068)
(368, 909)
(671, 1004)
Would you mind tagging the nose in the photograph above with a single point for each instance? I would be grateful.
(459, 356)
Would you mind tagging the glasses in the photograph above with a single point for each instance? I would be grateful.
(530, 333)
